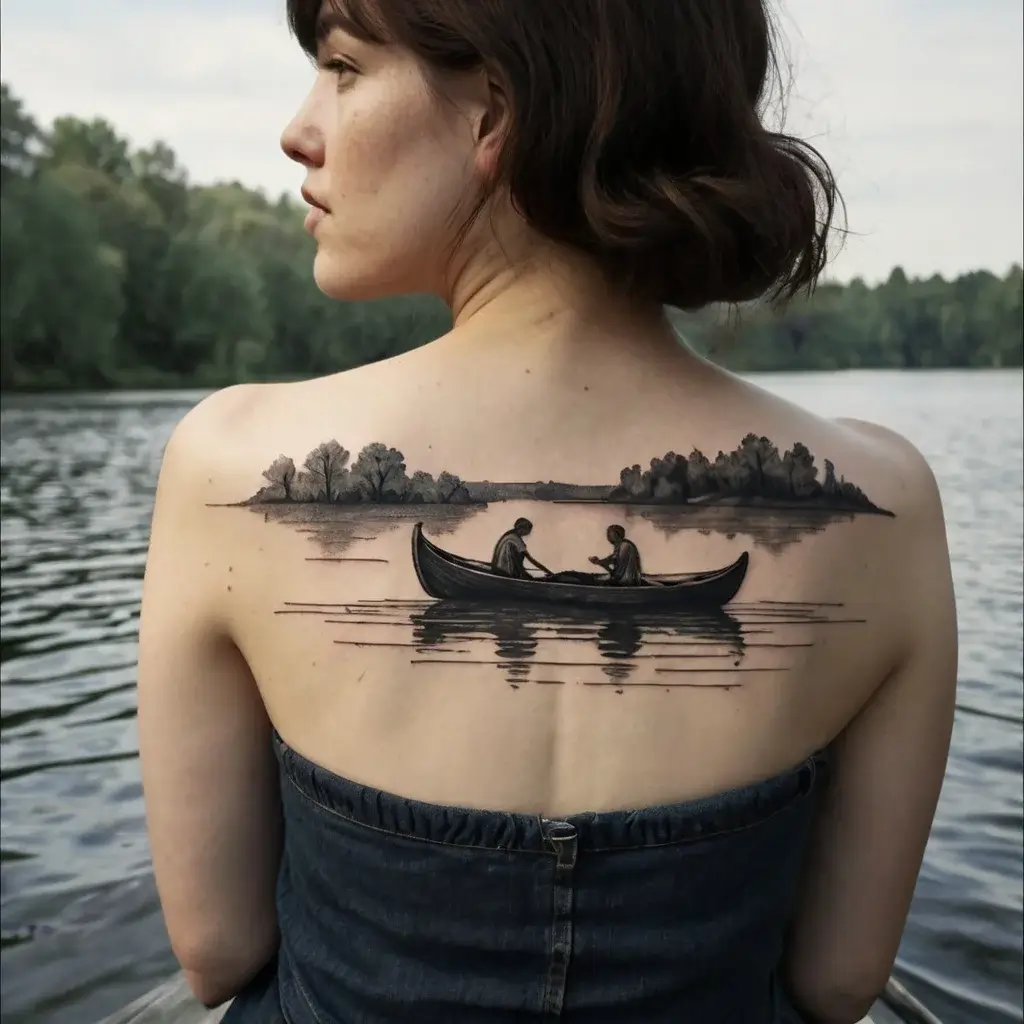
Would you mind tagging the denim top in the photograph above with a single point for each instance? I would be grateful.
(395, 910)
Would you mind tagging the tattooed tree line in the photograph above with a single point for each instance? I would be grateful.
(116, 271)
(377, 476)
(754, 471)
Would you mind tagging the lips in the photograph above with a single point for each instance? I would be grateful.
(313, 201)
(314, 218)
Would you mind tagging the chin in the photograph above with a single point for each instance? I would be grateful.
(345, 282)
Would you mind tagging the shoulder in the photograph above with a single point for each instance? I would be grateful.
(260, 415)
(218, 415)
(886, 466)
(897, 470)
(201, 542)
(211, 450)
(878, 459)
(907, 561)
(882, 471)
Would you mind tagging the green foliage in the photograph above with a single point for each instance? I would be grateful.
(116, 272)
(221, 326)
(61, 290)
(19, 136)
(93, 144)
(973, 321)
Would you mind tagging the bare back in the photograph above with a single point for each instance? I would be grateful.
(552, 695)
(708, 585)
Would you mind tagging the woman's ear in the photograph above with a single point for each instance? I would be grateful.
(491, 126)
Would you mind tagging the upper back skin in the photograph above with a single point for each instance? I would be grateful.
(548, 708)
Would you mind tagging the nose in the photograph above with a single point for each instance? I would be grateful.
(302, 141)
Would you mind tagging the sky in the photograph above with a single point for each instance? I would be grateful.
(917, 105)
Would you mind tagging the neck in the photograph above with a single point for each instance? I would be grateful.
(550, 300)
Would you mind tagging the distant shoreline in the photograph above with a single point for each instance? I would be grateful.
(201, 389)
(42, 389)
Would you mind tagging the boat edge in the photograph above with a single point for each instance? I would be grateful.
(739, 566)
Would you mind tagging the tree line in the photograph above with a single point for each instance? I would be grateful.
(116, 271)
(755, 471)
(378, 476)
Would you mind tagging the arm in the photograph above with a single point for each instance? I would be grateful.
(209, 775)
(889, 766)
(533, 561)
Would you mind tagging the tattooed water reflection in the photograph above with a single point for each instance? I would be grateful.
(578, 646)
(335, 527)
(602, 649)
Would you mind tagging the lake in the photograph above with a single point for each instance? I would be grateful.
(81, 930)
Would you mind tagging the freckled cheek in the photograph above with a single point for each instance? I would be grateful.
(375, 153)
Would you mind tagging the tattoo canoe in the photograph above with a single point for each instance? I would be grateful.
(450, 577)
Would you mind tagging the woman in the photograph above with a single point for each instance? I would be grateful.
(384, 784)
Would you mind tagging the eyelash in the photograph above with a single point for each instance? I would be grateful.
(338, 67)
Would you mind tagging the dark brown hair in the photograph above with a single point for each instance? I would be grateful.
(637, 133)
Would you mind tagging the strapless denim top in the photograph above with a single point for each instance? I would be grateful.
(394, 910)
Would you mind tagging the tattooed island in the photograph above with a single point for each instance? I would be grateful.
(756, 474)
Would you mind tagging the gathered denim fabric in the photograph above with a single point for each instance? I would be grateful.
(394, 910)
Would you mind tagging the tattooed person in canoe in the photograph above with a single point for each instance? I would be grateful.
(623, 564)
(510, 554)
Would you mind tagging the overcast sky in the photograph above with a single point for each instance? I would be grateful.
(916, 103)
